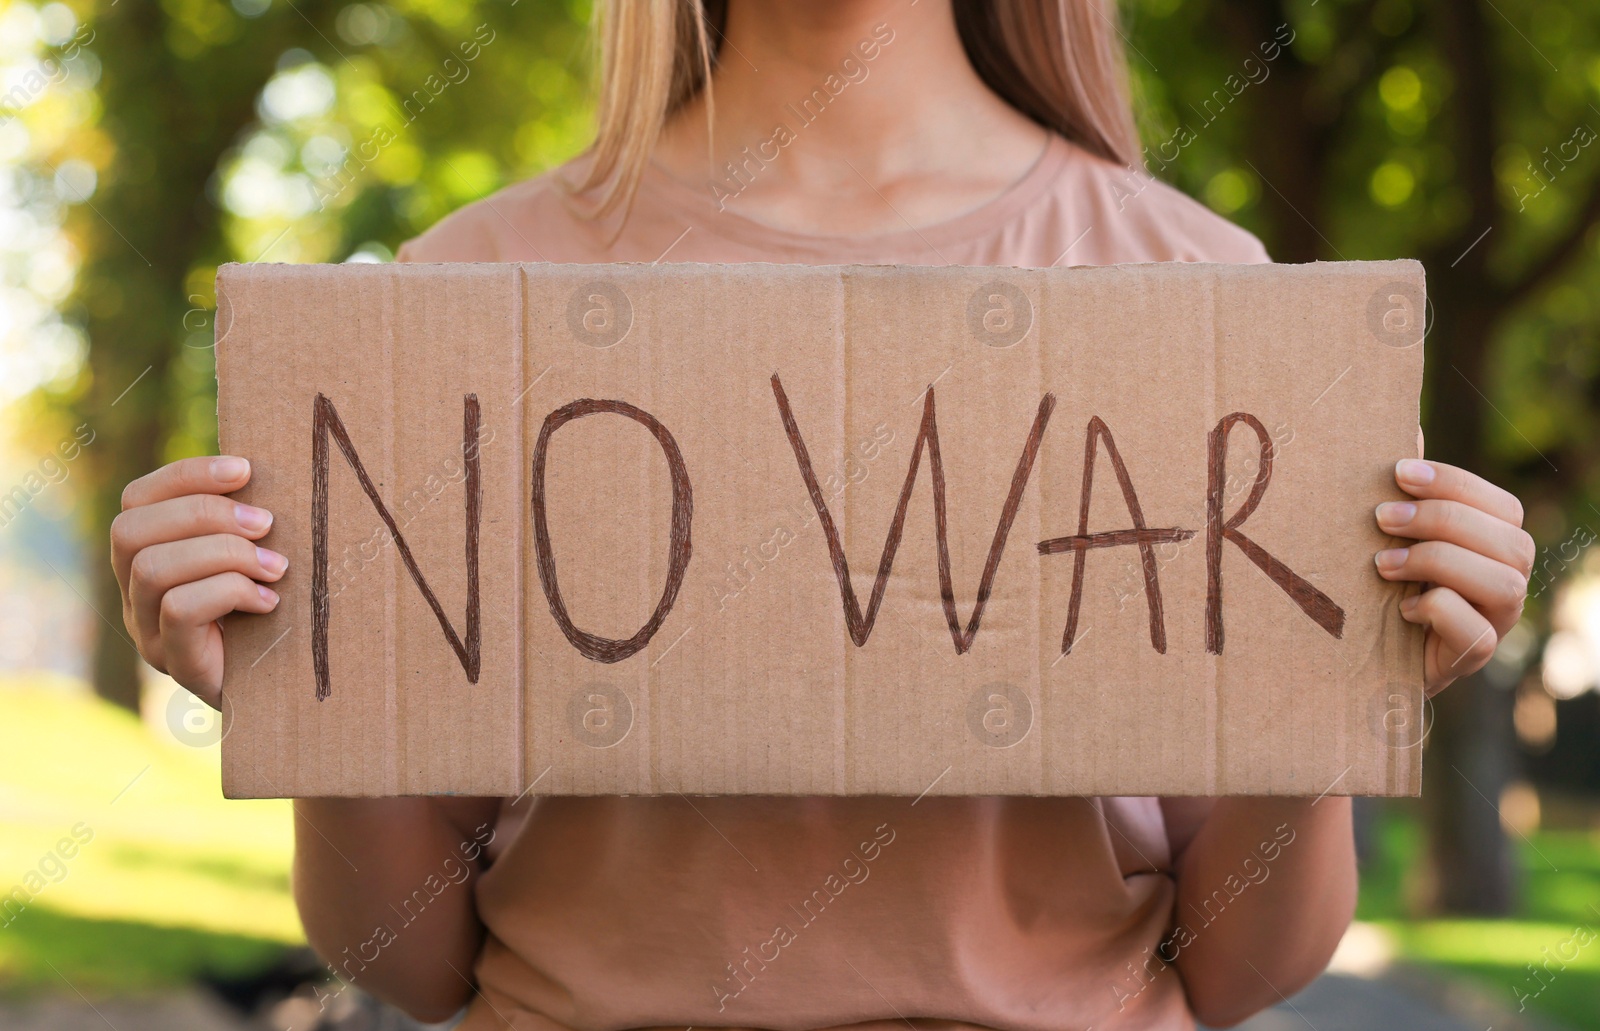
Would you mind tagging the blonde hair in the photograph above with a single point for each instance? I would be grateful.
(1059, 62)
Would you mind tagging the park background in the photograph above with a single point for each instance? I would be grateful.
(143, 142)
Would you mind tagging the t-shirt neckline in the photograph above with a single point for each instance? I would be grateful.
(704, 213)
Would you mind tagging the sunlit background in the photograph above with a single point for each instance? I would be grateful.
(143, 142)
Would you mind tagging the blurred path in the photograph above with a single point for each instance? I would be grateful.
(1339, 1002)
(1392, 1002)
(190, 1011)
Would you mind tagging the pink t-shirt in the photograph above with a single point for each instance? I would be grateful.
(1035, 914)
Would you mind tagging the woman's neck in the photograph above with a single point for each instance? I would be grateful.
(848, 117)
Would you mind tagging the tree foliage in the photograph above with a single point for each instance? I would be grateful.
(271, 130)
(1460, 132)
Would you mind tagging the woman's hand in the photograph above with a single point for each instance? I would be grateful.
(184, 557)
(1472, 556)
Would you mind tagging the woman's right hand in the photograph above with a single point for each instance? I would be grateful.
(185, 556)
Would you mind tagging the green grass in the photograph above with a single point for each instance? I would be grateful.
(175, 881)
(178, 881)
(50, 951)
(1561, 889)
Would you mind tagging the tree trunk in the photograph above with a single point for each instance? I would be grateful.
(170, 119)
(1470, 755)
(130, 447)
(115, 666)
(1469, 762)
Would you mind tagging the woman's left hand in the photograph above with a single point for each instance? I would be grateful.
(1472, 556)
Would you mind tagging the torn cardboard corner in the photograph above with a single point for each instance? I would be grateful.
(859, 530)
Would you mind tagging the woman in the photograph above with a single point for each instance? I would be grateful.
(832, 131)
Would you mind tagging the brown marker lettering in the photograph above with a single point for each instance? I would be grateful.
(860, 624)
(1141, 536)
(593, 646)
(1312, 602)
(325, 422)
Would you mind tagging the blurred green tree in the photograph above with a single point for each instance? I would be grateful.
(1459, 132)
(289, 130)
(178, 82)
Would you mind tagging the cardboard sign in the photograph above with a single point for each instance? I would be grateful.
(792, 530)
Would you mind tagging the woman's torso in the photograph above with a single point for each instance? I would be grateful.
(802, 913)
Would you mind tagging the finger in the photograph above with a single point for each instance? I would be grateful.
(1492, 586)
(176, 519)
(189, 633)
(162, 567)
(1458, 523)
(206, 475)
(1462, 640)
(1424, 479)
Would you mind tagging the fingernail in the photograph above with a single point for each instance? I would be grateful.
(268, 595)
(1414, 471)
(252, 518)
(1410, 603)
(271, 561)
(226, 470)
(1391, 559)
(1396, 513)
